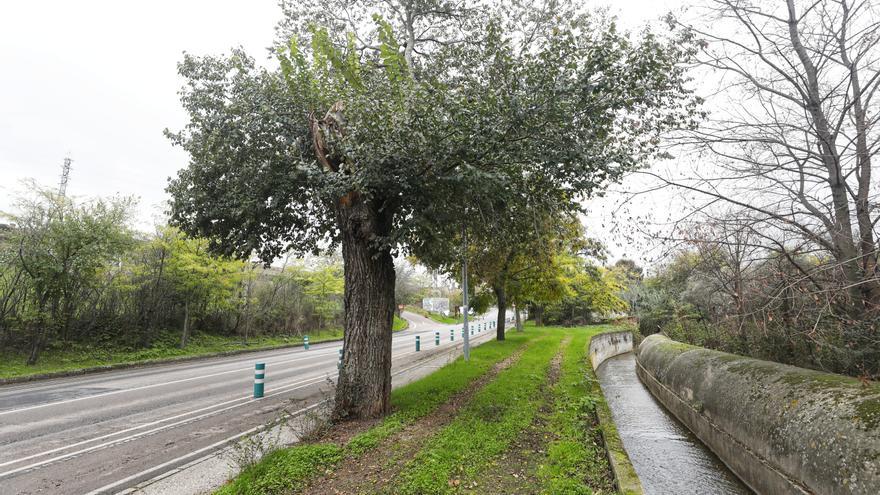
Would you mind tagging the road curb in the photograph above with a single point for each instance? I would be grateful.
(144, 364)
(155, 362)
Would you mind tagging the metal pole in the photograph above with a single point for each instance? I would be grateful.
(464, 297)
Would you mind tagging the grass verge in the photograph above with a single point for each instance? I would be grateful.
(453, 458)
(289, 469)
(73, 357)
(575, 462)
(447, 320)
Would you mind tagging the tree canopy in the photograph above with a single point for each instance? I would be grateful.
(377, 136)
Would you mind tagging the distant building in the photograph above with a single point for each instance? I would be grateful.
(436, 305)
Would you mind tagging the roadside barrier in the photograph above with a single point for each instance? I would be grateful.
(259, 379)
(451, 334)
(437, 338)
(418, 343)
(306, 342)
(339, 363)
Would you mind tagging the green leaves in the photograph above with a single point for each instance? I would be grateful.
(444, 110)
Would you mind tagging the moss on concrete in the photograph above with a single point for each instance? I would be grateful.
(624, 473)
(819, 430)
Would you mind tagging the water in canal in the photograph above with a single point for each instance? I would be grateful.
(668, 458)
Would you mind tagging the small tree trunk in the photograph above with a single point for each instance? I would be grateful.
(363, 389)
(519, 324)
(539, 315)
(501, 298)
(39, 331)
(185, 335)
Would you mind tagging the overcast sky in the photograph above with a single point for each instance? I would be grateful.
(97, 80)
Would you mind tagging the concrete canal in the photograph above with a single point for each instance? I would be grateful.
(667, 457)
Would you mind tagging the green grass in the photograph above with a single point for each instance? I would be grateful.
(484, 429)
(575, 462)
(285, 470)
(399, 324)
(71, 357)
(296, 465)
(447, 320)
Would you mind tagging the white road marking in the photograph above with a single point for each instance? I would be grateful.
(214, 446)
(285, 388)
(300, 355)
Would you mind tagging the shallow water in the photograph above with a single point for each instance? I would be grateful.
(668, 458)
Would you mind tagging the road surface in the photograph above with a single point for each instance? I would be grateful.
(104, 432)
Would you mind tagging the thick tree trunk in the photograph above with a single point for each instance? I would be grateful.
(363, 389)
(501, 299)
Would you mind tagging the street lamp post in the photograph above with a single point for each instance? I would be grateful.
(464, 296)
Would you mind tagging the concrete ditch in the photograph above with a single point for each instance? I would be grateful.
(603, 346)
(781, 429)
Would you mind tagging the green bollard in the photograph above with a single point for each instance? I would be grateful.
(437, 338)
(451, 334)
(339, 363)
(306, 342)
(259, 379)
(418, 343)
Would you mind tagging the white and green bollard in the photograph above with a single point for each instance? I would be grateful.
(418, 343)
(306, 342)
(451, 334)
(437, 338)
(259, 379)
(339, 363)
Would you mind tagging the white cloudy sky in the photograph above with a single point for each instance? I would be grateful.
(97, 79)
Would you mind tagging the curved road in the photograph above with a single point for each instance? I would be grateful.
(104, 432)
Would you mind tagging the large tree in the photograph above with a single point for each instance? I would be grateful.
(389, 119)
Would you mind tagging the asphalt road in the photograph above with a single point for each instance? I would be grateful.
(104, 432)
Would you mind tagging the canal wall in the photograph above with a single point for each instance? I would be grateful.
(603, 346)
(781, 429)
(609, 344)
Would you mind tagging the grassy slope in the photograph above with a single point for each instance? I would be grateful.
(485, 427)
(77, 356)
(287, 469)
(575, 461)
(448, 320)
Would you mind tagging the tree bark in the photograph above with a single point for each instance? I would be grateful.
(184, 336)
(363, 389)
(501, 298)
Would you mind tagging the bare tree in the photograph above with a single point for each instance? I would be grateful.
(792, 134)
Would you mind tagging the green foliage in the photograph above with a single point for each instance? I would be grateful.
(491, 124)
(79, 288)
(590, 291)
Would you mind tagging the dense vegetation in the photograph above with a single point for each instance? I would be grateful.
(75, 273)
(776, 241)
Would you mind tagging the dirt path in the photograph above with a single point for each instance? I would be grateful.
(515, 472)
(372, 472)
